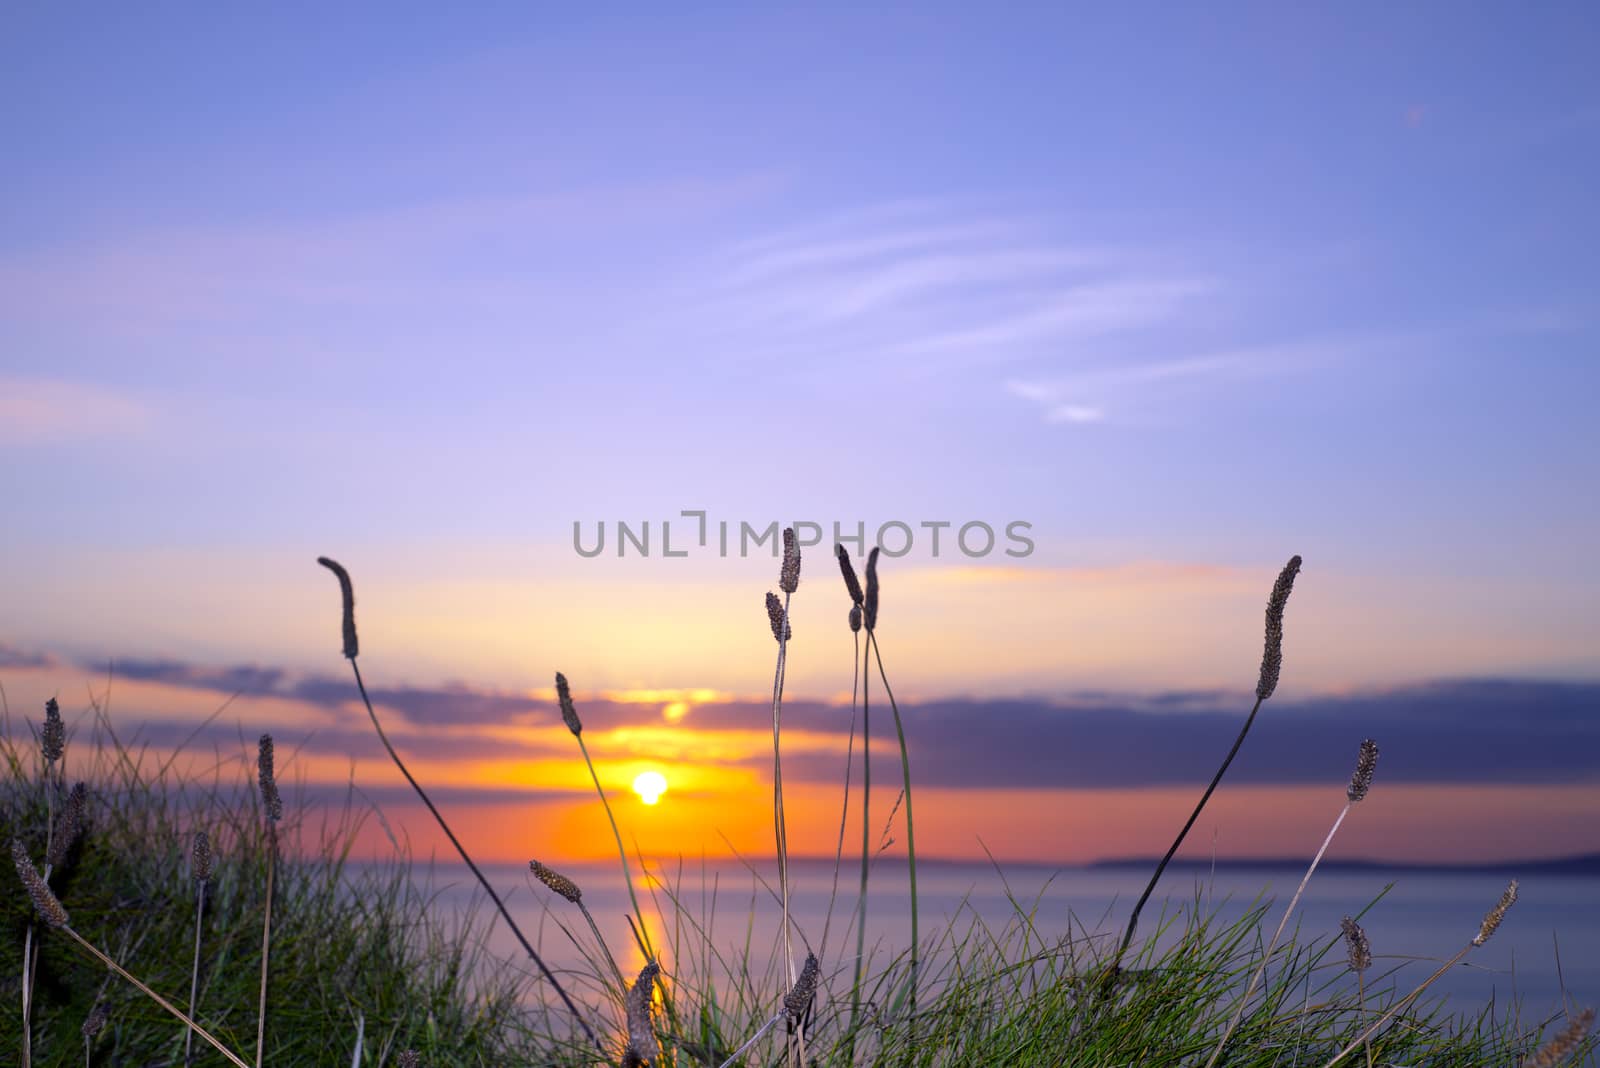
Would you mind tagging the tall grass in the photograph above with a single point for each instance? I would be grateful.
(1356, 792)
(200, 872)
(1266, 685)
(351, 652)
(345, 939)
(272, 810)
(778, 617)
(870, 605)
(319, 962)
(569, 713)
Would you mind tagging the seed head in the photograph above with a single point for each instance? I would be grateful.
(43, 900)
(347, 596)
(781, 631)
(270, 801)
(855, 618)
(641, 1030)
(68, 827)
(869, 603)
(556, 881)
(789, 573)
(848, 570)
(1496, 914)
(568, 711)
(53, 735)
(97, 1019)
(1366, 763)
(1555, 1051)
(200, 858)
(1355, 940)
(409, 1058)
(1272, 657)
(799, 998)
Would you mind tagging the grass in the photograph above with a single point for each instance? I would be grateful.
(346, 942)
(364, 970)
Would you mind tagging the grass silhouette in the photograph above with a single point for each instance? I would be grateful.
(363, 968)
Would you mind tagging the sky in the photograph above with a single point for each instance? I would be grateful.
(1090, 318)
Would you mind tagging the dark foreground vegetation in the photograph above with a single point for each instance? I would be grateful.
(160, 916)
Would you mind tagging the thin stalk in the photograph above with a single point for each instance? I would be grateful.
(637, 940)
(266, 942)
(643, 932)
(157, 998)
(30, 955)
(27, 992)
(1266, 685)
(622, 984)
(844, 810)
(740, 1052)
(499, 905)
(194, 977)
(795, 1043)
(1133, 920)
(1398, 1006)
(866, 854)
(1361, 1010)
(1261, 971)
(361, 1033)
(911, 833)
(780, 828)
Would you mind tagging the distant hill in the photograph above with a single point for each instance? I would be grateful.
(1584, 864)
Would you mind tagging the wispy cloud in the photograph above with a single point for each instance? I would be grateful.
(762, 261)
(1072, 311)
(1050, 397)
(1096, 329)
(1094, 393)
(1082, 398)
(935, 279)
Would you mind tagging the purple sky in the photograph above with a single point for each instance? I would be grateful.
(1185, 292)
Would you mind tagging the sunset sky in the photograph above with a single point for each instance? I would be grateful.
(1182, 290)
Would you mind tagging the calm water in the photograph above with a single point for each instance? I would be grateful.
(1425, 918)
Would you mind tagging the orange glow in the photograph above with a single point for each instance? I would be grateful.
(1429, 823)
(537, 797)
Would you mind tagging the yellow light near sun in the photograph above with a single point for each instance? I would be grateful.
(650, 785)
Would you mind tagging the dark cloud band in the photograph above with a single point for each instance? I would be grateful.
(1452, 731)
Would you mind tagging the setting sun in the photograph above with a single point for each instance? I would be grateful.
(650, 785)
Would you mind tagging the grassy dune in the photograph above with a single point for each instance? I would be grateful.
(112, 940)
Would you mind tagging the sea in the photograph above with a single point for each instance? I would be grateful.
(1544, 957)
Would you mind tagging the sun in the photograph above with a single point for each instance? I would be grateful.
(650, 785)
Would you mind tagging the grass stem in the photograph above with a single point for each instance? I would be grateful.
(642, 933)
(1266, 957)
(194, 977)
(266, 942)
(911, 832)
(1133, 920)
(866, 853)
(466, 858)
(157, 998)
